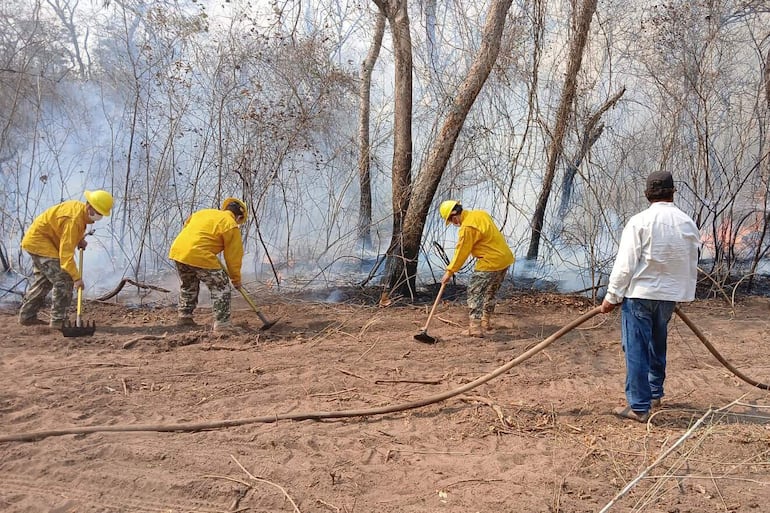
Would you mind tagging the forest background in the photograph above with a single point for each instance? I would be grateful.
(344, 123)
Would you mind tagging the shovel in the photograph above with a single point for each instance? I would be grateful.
(266, 324)
(423, 336)
(78, 330)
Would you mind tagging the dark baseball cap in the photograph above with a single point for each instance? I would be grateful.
(660, 181)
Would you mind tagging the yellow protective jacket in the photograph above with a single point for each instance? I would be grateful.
(207, 233)
(56, 232)
(480, 237)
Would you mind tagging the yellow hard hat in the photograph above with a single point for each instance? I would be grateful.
(227, 201)
(101, 201)
(445, 209)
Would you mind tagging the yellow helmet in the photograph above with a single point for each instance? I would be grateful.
(445, 209)
(101, 201)
(240, 203)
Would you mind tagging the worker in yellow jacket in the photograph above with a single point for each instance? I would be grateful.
(195, 252)
(51, 241)
(480, 237)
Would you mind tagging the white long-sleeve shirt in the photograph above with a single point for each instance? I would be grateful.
(657, 258)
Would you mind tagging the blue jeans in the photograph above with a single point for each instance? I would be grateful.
(644, 332)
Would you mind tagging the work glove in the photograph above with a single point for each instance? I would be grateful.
(78, 284)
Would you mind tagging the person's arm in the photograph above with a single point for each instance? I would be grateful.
(233, 255)
(467, 237)
(68, 241)
(629, 254)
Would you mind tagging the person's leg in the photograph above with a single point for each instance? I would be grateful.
(189, 289)
(636, 332)
(218, 284)
(476, 291)
(490, 297)
(34, 297)
(658, 346)
(61, 297)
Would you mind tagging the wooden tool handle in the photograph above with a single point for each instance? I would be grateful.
(78, 322)
(435, 304)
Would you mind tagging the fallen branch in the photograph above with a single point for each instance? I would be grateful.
(351, 374)
(128, 343)
(123, 282)
(420, 381)
(261, 480)
(224, 348)
(447, 321)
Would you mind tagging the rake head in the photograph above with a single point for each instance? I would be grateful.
(70, 330)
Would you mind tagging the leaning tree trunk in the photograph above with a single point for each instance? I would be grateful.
(591, 133)
(364, 143)
(401, 277)
(562, 117)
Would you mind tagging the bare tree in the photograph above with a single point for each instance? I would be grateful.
(65, 10)
(364, 143)
(591, 132)
(562, 118)
(405, 245)
(401, 169)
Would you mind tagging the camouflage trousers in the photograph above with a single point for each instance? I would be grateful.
(48, 275)
(481, 291)
(218, 284)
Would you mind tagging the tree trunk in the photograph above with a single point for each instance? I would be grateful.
(401, 169)
(364, 156)
(593, 130)
(562, 117)
(401, 275)
(764, 174)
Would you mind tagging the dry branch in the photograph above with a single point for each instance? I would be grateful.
(123, 282)
(418, 381)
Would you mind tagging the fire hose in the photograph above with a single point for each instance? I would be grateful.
(208, 425)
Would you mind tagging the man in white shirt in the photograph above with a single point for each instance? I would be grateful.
(656, 266)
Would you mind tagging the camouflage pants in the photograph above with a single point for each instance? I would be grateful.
(481, 291)
(218, 284)
(48, 275)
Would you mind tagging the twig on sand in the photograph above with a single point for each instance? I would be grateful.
(223, 348)
(266, 481)
(367, 351)
(330, 394)
(128, 343)
(418, 381)
(496, 408)
(352, 374)
(457, 324)
(125, 386)
(241, 494)
(330, 506)
(455, 483)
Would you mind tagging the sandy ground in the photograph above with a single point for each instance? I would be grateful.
(539, 438)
